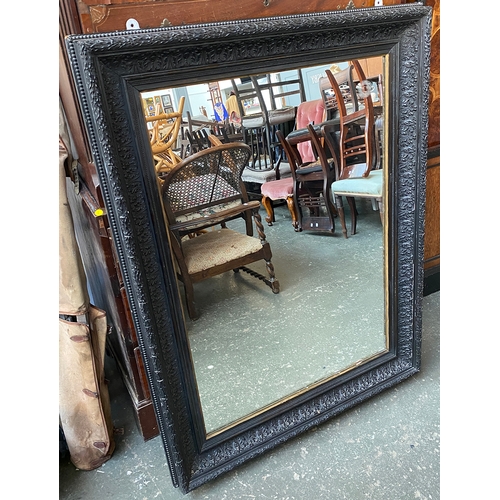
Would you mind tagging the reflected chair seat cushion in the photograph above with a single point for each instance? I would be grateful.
(283, 115)
(278, 190)
(204, 251)
(309, 168)
(263, 176)
(253, 122)
(370, 186)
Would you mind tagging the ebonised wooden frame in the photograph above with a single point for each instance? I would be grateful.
(110, 70)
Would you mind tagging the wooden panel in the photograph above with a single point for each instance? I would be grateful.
(372, 67)
(434, 97)
(96, 245)
(106, 286)
(432, 212)
(69, 23)
(432, 216)
(101, 16)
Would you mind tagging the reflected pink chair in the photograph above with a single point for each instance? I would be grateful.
(309, 112)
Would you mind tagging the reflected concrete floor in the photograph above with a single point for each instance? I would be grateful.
(251, 347)
(387, 448)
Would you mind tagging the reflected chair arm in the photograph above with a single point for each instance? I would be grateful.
(212, 220)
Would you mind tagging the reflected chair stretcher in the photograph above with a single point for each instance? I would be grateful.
(200, 196)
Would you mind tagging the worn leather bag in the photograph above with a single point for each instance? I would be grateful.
(84, 405)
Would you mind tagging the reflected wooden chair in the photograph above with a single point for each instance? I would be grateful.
(309, 112)
(312, 185)
(253, 123)
(266, 105)
(345, 81)
(355, 148)
(282, 189)
(279, 96)
(198, 131)
(163, 139)
(201, 195)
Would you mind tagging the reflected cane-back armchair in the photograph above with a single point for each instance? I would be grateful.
(201, 195)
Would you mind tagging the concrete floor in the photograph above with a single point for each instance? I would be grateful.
(387, 448)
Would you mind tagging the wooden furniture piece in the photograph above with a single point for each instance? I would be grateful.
(254, 130)
(282, 189)
(164, 135)
(309, 112)
(311, 187)
(267, 104)
(203, 191)
(330, 111)
(345, 82)
(97, 16)
(356, 152)
(432, 211)
(279, 100)
(199, 133)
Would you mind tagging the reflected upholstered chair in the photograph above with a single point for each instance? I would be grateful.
(201, 195)
(309, 112)
(355, 147)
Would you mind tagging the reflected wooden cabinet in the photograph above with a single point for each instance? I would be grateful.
(94, 16)
(372, 67)
(432, 221)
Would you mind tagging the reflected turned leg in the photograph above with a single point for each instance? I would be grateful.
(293, 212)
(354, 213)
(340, 211)
(380, 202)
(268, 205)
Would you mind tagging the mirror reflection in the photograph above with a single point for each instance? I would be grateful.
(313, 163)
